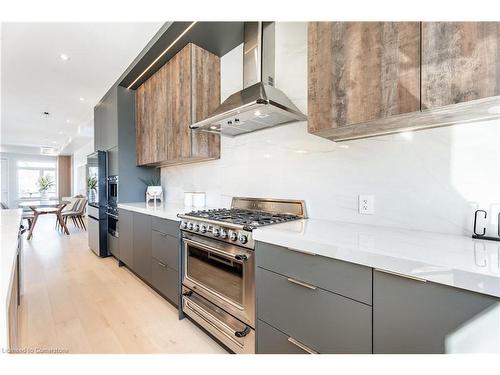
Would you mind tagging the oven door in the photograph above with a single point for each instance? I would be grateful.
(222, 273)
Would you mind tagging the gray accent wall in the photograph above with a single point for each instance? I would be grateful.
(131, 189)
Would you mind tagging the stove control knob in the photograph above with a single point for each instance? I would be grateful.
(216, 232)
(196, 228)
(243, 239)
(190, 226)
(184, 225)
(223, 233)
(203, 229)
(233, 236)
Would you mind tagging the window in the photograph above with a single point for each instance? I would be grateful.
(28, 173)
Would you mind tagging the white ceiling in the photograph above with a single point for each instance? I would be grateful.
(35, 79)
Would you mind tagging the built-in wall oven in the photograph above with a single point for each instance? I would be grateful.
(222, 274)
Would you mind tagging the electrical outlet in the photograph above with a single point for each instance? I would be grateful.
(366, 204)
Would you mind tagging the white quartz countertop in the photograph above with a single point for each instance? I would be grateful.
(10, 220)
(453, 260)
(166, 210)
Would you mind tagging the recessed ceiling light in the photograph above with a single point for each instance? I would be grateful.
(82, 98)
(344, 146)
(301, 151)
(60, 132)
(67, 121)
(54, 142)
(64, 57)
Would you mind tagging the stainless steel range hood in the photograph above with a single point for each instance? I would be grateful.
(259, 105)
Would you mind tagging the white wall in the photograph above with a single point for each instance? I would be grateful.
(79, 163)
(13, 158)
(426, 180)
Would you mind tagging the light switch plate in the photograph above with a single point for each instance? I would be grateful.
(366, 204)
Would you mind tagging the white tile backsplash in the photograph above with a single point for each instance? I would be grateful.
(427, 180)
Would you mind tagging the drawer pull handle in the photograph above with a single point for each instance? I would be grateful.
(301, 283)
(302, 251)
(302, 346)
(401, 275)
(162, 264)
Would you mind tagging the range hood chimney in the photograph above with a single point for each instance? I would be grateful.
(259, 105)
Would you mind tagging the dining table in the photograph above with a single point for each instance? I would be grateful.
(42, 203)
(44, 207)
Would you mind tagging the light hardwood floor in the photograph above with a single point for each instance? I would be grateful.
(76, 301)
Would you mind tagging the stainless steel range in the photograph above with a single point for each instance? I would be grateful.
(218, 285)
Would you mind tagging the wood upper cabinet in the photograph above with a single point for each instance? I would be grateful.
(183, 91)
(460, 62)
(375, 78)
(361, 71)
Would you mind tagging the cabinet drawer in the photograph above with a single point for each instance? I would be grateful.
(166, 249)
(166, 226)
(348, 279)
(113, 246)
(272, 341)
(321, 320)
(165, 280)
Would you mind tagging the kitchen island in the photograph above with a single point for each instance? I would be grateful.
(10, 244)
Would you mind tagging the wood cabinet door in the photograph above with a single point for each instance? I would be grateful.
(460, 62)
(186, 89)
(361, 71)
(205, 86)
(177, 81)
(151, 119)
(142, 124)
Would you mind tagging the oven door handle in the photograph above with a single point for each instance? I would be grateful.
(239, 257)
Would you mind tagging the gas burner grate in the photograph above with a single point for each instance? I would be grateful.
(249, 218)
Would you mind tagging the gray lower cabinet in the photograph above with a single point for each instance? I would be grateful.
(348, 279)
(166, 226)
(114, 246)
(320, 320)
(411, 316)
(142, 246)
(166, 249)
(165, 279)
(151, 254)
(126, 248)
(272, 341)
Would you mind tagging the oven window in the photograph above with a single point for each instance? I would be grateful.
(217, 273)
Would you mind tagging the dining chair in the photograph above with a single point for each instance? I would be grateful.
(82, 211)
(68, 210)
(76, 214)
